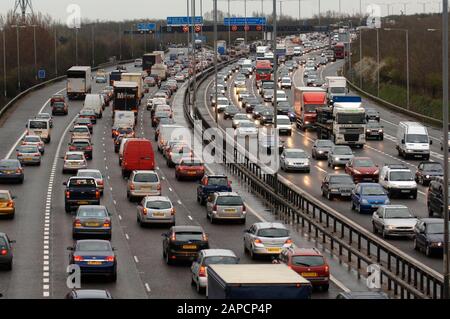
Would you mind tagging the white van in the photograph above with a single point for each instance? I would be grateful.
(413, 140)
(41, 128)
(94, 102)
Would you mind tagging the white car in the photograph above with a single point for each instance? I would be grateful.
(393, 220)
(94, 173)
(34, 140)
(281, 97)
(286, 83)
(284, 124)
(222, 103)
(246, 128)
(80, 132)
(73, 161)
(180, 77)
(237, 118)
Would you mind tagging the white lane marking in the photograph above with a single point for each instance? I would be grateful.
(120, 217)
(179, 202)
(136, 260)
(127, 237)
(13, 148)
(147, 287)
(170, 189)
(320, 169)
(190, 217)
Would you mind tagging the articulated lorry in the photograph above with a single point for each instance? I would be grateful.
(256, 281)
(344, 122)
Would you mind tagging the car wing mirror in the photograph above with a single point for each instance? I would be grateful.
(431, 142)
(70, 248)
(12, 241)
(65, 183)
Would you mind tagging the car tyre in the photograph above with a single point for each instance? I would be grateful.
(67, 208)
(374, 228)
(329, 196)
(416, 245)
(167, 258)
(428, 252)
(114, 277)
(9, 266)
(325, 287)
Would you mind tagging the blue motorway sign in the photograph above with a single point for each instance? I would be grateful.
(244, 21)
(174, 21)
(41, 74)
(146, 27)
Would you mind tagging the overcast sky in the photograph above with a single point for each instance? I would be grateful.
(139, 9)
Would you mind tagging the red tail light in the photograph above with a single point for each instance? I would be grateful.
(173, 237)
(77, 223)
(99, 182)
(244, 209)
(327, 269)
(3, 252)
(107, 223)
(19, 171)
(78, 258)
(205, 237)
(145, 211)
(10, 204)
(97, 194)
(202, 271)
(159, 187)
(132, 187)
(110, 258)
(67, 194)
(89, 148)
(72, 148)
(215, 208)
(173, 211)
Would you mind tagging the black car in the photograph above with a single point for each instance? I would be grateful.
(11, 171)
(6, 253)
(60, 108)
(427, 170)
(80, 191)
(182, 243)
(434, 197)
(89, 294)
(337, 185)
(429, 235)
(374, 130)
(230, 111)
(266, 116)
(95, 258)
(257, 111)
(372, 115)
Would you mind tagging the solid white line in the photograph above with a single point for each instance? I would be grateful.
(127, 237)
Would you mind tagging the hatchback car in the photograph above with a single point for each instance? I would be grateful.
(208, 257)
(339, 156)
(266, 239)
(367, 197)
(94, 173)
(393, 220)
(230, 111)
(83, 121)
(308, 263)
(428, 170)
(372, 115)
(7, 204)
(11, 171)
(156, 210)
(60, 108)
(143, 183)
(82, 145)
(225, 206)
(28, 155)
(321, 148)
(182, 243)
(34, 140)
(92, 221)
(73, 161)
(362, 169)
(190, 168)
(6, 251)
(88, 113)
(237, 118)
(295, 160)
(95, 258)
(429, 236)
(176, 152)
(80, 132)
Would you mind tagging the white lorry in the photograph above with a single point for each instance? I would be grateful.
(79, 81)
(336, 86)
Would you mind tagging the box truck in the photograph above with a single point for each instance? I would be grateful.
(136, 78)
(78, 82)
(306, 102)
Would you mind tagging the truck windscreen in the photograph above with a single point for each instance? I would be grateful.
(338, 90)
(357, 118)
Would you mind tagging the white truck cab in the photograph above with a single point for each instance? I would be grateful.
(413, 140)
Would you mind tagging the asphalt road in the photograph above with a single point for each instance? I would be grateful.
(381, 152)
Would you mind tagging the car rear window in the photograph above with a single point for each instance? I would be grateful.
(2, 242)
(28, 149)
(4, 196)
(74, 157)
(92, 212)
(192, 163)
(218, 181)
(82, 143)
(32, 139)
(187, 236)
(273, 233)
(308, 261)
(9, 164)
(81, 129)
(93, 246)
(221, 260)
(158, 204)
(229, 201)
(146, 178)
(83, 182)
(90, 174)
(38, 125)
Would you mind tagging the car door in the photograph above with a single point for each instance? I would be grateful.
(349, 168)
(196, 266)
(326, 184)
(436, 201)
(210, 203)
(378, 219)
(356, 195)
(419, 172)
(420, 234)
(248, 236)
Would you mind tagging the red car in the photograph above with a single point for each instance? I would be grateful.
(308, 263)
(57, 98)
(190, 168)
(362, 169)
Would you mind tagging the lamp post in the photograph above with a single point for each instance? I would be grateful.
(56, 51)
(18, 54)
(93, 44)
(76, 45)
(245, 27)
(35, 51)
(215, 62)
(4, 62)
(229, 26)
(407, 63)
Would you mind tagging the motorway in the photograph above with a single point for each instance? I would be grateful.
(43, 230)
(382, 152)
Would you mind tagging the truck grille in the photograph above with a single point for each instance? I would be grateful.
(351, 137)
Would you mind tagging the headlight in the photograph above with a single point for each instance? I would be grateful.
(365, 202)
(334, 190)
(390, 227)
(428, 176)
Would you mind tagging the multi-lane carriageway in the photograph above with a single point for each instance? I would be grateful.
(43, 230)
(382, 152)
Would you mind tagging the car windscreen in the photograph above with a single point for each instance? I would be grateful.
(246, 124)
(397, 212)
(39, 125)
(433, 167)
(9, 164)
(146, 178)
(32, 139)
(373, 125)
(341, 180)
(435, 228)
(299, 154)
(284, 121)
(342, 151)
(81, 143)
(401, 176)
(324, 143)
(2, 242)
(273, 233)
(74, 157)
(363, 163)
(308, 261)
(338, 90)
(92, 212)
(93, 246)
(81, 130)
(416, 138)
(221, 260)
(229, 201)
(158, 204)
(372, 191)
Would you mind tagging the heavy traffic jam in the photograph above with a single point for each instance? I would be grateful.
(302, 102)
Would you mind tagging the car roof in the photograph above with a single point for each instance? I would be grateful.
(369, 184)
(218, 252)
(187, 228)
(157, 198)
(4, 191)
(228, 194)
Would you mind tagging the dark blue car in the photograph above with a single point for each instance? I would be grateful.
(211, 184)
(95, 258)
(367, 197)
(11, 171)
(429, 236)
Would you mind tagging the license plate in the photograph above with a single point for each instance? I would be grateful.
(189, 246)
(309, 274)
(94, 262)
(92, 224)
(230, 210)
(274, 250)
(27, 159)
(146, 188)
(158, 214)
(83, 202)
(192, 173)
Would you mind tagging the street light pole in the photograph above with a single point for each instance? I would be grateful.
(93, 45)
(35, 51)
(275, 65)
(378, 63)
(76, 45)
(245, 27)
(445, 83)
(4, 62)
(262, 14)
(229, 26)
(120, 41)
(18, 57)
(215, 63)
(319, 12)
(407, 71)
(56, 53)
(194, 97)
(360, 58)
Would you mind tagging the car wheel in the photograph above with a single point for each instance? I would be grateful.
(416, 245)
(114, 277)
(9, 266)
(383, 233)
(199, 289)
(329, 196)
(374, 228)
(430, 211)
(325, 287)
(167, 258)
(359, 208)
(67, 208)
(252, 254)
(353, 206)
(428, 251)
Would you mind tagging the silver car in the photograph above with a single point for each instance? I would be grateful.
(321, 148)
(393, 220)
(208, 257)
(156, 210)
(73, 161)
(266, 239)
(225, 206)
(339, 155)
(29, 155)
(237, 118)
(295, 160)
(143, 183)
